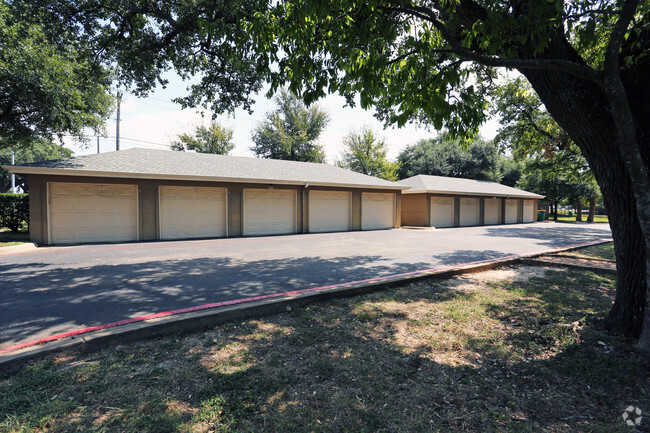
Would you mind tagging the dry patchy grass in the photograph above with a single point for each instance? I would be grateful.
(512, 350)
(601, 251)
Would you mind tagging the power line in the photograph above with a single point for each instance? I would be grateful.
(139, 140)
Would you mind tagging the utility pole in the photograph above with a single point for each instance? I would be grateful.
(13, 176)
(117, 124)
(98, 144)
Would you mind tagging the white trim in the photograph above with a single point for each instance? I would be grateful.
(118, 175)
(532, 196)
(137, 213)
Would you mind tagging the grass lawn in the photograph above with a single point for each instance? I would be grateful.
(602, 251)
(510, 350)
(572, 219)
(9, 238)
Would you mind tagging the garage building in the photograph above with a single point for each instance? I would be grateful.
(144, 194)
(438, 201)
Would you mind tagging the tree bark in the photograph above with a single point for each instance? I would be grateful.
(583, 111)
(579, 210)
(592, 210)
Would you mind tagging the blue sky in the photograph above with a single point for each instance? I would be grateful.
(154, 122)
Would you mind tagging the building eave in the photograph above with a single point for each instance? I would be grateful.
(23, 170)
(466, 193)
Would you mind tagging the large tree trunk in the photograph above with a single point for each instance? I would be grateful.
(592, 210)
(582, 110)
(579, 210)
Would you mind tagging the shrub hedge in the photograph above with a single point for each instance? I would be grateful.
(14, 211)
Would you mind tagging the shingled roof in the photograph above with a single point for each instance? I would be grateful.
(451, 185)
(167, 164)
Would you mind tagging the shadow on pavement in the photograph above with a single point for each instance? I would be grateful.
(37, 297)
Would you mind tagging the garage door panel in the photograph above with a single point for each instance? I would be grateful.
(329, 211)
(442, 212)
(377, 211)
(469, 212)
(269, 211)
(492, 211)
(529, 211)
(81, 213)
(511, 211)
(192, 212)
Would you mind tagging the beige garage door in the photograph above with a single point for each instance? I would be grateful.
(442, 212)
(529, 211)
(492, 211)
(329, 211)
(90, 212)
(269, 211)
(512, 208)
(192, 212)
(469, 211)
(377, 211)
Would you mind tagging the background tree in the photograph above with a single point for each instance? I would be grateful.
(446, 156)
(538, 177)
(528, 131)
(39, 150)
(214, 138)
(511, 170)
(366, 154)
(47, 87)
(290, 131)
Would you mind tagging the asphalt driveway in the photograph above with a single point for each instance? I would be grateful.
(59, 289)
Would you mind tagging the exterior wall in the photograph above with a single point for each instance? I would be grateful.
(149, 203)
(37, 210)
(456, 211)
(415, 210)
(148, 196)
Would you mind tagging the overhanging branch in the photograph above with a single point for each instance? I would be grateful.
(571, 68)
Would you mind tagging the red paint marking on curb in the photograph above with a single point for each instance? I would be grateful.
(263, 297)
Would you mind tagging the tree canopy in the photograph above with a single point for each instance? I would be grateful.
(39, 150)
(291, 131)
(529, 132)
(446, 156)
(365, 153)
(213, 138)
(47, 87)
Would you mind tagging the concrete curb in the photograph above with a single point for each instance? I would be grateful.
(16, 249)
(199, 320)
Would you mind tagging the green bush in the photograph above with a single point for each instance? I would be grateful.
(14, 211)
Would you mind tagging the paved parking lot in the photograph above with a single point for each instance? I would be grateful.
(59, 289)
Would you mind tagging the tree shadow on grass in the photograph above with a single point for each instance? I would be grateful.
(363, 364)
